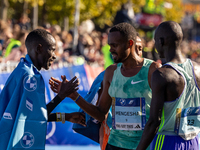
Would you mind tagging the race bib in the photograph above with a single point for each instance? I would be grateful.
(128, 114)
(187, 122)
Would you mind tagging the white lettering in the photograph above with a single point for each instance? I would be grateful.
(121, 113)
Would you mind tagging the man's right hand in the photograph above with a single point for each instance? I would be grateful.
(64, 88)
(55, 84)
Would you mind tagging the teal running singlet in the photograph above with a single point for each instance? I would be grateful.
(131, 97)
(180, 119)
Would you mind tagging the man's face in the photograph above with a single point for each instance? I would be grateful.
(47, 55)
(118, 46)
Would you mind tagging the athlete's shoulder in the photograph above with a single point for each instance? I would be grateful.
(167, 73)
(112, 67)
(155, 65)
(109, 72)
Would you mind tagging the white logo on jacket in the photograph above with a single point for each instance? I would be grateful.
(7, 115)
(30, 83)
(29, 105)
(27, 140)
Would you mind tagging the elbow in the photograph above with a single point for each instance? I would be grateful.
(153, 124)
(102, 118)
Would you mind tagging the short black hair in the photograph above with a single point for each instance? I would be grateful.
(126, 30)
(172, 29)
(37, 36)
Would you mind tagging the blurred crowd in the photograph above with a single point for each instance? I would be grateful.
(88, 49)
(92, 47)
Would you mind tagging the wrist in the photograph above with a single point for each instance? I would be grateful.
(60, 117)
(76, 98)
(74, 95)
(60, 96)
(63, 117)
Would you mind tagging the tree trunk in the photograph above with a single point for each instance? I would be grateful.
(76, 24)
(35, 15)
(3, 9)
(25, 7)
(44, 14)
(66, 24)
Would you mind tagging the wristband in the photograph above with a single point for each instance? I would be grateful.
(77, 98)
(58, 116)
(63, 117)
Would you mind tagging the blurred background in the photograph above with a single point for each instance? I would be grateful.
(80, 28)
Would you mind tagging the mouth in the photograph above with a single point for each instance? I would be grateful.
(114, 55)
(50, 62)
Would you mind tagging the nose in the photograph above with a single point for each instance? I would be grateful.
(54, 55)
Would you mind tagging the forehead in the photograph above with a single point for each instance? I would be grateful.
(138, 39)
(50, 41)
(114, 37)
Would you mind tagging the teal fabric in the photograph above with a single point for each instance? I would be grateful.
(127, 87)
(23, 114)
(190, 97)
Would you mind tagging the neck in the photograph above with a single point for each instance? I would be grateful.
(133, 63)
(175, 56)
(34, 61)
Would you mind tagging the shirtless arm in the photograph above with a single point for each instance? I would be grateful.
(158, 85)
(152, 68)
(98, 112)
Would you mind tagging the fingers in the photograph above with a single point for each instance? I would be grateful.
(54, 89)
(83, 123)
(62, 76)
(82, 119)
(55, 80)
(53, 84)
(74, 80)
(63, 79)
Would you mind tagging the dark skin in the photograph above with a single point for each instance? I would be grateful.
(122, 51)
(167, 84)
(42, 54)
(75, 117)
(55, 84)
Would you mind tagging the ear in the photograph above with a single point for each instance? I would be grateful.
(39, 48)
(161, 40)
(131, 42)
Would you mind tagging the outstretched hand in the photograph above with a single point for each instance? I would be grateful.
(55, 84)
(64, 88)
(77, 117)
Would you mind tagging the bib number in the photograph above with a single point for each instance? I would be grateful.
(187, 122)
(128, 114)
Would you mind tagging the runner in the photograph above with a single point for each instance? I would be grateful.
(126, 86)
(174, 115)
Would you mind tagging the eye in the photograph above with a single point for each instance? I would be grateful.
(140, 47)
(114, 45)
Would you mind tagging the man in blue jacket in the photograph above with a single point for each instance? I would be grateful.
(23, 111)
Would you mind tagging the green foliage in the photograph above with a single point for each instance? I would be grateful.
(102, 12)
(176, 12)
